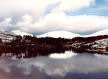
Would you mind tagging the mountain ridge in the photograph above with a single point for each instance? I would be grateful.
(62, 34)
(9, 35)
(66, 34)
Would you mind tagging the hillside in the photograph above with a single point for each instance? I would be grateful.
(102, 32)
(62, 34)
(94, 42)
(7, 35)
(18, 32)
(70, 35)
(33, 46)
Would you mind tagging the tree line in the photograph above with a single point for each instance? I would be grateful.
(31, 46)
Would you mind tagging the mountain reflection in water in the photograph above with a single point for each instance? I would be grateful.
(53, 65)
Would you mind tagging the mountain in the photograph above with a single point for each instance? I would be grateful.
(57, 34)
(102, 32)
(18, 32)
(7, 35)
(66, 34)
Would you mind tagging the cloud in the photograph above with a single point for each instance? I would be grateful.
(38, 7)
(20, 7)
(6, 24)
(33, 18)
(73, 5)
(60, 21)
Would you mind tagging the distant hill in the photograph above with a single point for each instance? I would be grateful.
(62, 34)
(66, 34)
(7, 35)
(18, 32)
(102, 32)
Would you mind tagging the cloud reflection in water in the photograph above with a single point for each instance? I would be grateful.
(42, 66)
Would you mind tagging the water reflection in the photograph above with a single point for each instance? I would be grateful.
(53, 64)
(22, 54)
(50, 67)
(67, 54)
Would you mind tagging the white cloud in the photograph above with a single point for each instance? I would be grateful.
(33, 17)
(6, 24)
(60, 21)
(73, 5)
(38, 7)
(18, 7)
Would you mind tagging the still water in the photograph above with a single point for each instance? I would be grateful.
(68, 65)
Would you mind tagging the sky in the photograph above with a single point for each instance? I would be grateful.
(41, 16)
